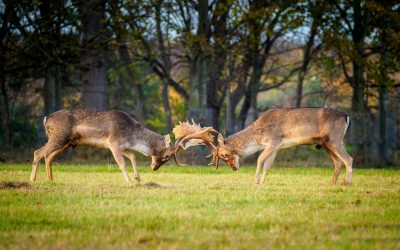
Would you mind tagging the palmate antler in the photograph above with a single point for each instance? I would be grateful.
(197, 136)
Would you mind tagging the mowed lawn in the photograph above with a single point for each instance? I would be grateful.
(91, 207)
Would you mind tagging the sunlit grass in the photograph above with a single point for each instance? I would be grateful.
(197, 208)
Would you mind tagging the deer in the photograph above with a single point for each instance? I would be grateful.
(114, 130)
(280, 128)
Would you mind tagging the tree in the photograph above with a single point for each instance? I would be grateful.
(95, 64)
(350, 27)
(263, 24)
(315, 12)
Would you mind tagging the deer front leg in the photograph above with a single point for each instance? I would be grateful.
(260, 163)
(270, 148)
(117, 153)
(131, 156)
(267, 165)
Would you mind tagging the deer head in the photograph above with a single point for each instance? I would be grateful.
(227, 154)
(164, 154)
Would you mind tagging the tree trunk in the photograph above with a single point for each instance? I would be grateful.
(255, 84)
(193, 81)
(6, 112)
(167, 64)
(360, 131)
(306, 61)
(245, 109)
(382, 123)
(358, 109)
(202, 33)
(230, 113)
(52, 93)
(383, 100)
(307, 51)
(58, 104)
(140, 99)
(167, 107)
(49, 91)
(94, 70)
(197, 78)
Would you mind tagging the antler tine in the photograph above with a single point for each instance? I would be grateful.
(216, 167)
(212, 162)
(202, 134)
(186, 131)
(177, 162)
(176, 150)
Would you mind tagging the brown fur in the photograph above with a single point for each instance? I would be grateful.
(286, 127)
(113, 129)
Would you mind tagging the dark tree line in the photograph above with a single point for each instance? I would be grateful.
(163, 60)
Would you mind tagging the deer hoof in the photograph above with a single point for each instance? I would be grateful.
(346, 183)
(137, 178)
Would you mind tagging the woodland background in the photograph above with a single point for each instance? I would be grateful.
(221, 62)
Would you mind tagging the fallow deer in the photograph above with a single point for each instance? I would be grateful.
(280, 128)
(114, 130)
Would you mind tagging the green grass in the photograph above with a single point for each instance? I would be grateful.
(197, 208)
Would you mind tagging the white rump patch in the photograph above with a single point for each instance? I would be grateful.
(348, 124)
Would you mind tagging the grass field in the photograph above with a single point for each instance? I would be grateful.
(91, 207)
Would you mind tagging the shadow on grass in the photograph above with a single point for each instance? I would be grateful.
(14, 185)
(149, 185)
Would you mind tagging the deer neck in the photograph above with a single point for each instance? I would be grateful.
(147, 142)
(244, 143)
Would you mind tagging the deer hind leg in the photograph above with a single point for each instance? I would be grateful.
(338, 165)
(267, 165)
(118, 156)
(37, 156)
(339, 151)
(49, 160)
(131, 156)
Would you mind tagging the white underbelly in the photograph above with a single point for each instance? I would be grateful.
(291, 142)
(96, 142)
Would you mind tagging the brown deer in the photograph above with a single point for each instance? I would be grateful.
(280, 128)
(114, 130)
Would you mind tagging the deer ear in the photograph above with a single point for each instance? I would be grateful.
(167, 141)
(220, 139)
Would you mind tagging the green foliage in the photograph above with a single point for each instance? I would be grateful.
(197, 208)
(24, 131)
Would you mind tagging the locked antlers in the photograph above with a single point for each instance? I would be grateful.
(195, 135)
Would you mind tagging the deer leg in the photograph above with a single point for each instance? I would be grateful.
(267, 165)
(37, 156)
(338, 150)
(131, 156)
(338, 166)
(117, 153)
(49, 160)
(260, 161)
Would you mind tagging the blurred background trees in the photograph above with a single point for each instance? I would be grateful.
(221, 62)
